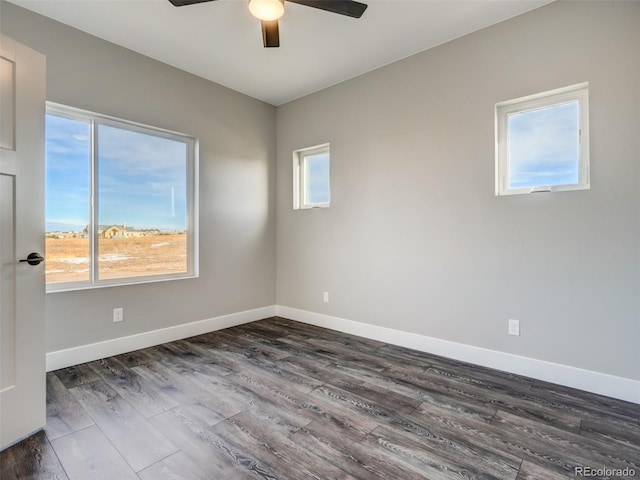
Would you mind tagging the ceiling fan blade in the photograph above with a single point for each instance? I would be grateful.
(270, 33)
(349, 8)
(183, 3)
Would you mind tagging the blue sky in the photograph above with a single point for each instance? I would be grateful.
(543, 146)
(317, 178)
(67, 174)
(142, 178)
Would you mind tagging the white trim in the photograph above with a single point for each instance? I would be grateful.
(300, 188)
(94, 121)
(587, 380)
(116, 346)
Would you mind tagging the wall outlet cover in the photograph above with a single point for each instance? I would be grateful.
(514, 327)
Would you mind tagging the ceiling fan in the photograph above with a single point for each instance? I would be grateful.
(269, 11)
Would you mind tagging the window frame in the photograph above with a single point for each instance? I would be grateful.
(300, 187)
(579, 93)
(95, 120)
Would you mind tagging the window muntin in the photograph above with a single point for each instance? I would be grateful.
(142, 223)
(312, 177)
(542, 142)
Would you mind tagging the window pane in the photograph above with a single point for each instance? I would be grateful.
(142, 204)
(68, 159)
(316, 171)
(543, 146)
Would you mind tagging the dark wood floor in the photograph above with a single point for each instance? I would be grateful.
(276, 399)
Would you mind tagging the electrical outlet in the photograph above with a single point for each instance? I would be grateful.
(118, 314)
(514, 327)
(325, 297)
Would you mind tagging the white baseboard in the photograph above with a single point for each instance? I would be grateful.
(587, 380)
(116, 346)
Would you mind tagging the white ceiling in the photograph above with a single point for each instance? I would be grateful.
(222, 42)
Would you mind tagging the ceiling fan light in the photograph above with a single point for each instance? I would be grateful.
(267, 10)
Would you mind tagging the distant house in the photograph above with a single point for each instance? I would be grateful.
(63, 235)
(120, 231)
(112, 231)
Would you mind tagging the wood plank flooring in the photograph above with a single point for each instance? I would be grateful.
(277, 399)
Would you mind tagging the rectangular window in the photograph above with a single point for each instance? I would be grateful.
(120, 201)
(542, 142)
(311, 187)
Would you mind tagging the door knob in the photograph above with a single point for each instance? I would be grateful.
(33, 259)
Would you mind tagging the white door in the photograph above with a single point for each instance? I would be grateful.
(22, 294)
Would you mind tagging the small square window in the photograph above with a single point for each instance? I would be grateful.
(542, 142)
(311, 186)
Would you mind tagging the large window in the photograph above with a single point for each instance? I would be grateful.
(542, 142)
(120, 201)
(311, 186)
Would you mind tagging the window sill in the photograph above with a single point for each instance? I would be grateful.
(138, 281)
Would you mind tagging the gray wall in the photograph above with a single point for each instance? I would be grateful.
(237, 178)
(415, 239)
